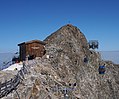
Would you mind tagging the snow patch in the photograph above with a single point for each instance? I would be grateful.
(16, 66)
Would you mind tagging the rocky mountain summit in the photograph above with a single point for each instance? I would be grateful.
(63, 72)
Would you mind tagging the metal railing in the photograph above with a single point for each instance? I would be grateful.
(8, 86)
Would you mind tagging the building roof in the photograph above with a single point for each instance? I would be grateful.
(33, 41)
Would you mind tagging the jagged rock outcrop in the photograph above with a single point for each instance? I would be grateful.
(65, 74)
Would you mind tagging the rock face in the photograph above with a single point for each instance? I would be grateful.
(66, 74)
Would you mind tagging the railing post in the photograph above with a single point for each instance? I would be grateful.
(12, 87)
(5, 85)
(17, 94)
(0, 87)
(5, 88)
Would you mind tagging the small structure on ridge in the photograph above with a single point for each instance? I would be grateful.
(93, 44)
(31, 49)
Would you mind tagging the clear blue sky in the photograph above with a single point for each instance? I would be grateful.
(24, 20)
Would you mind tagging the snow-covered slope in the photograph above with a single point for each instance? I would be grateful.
(5, 60)
(14, 67)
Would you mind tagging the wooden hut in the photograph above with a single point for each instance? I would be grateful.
(31, 49)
